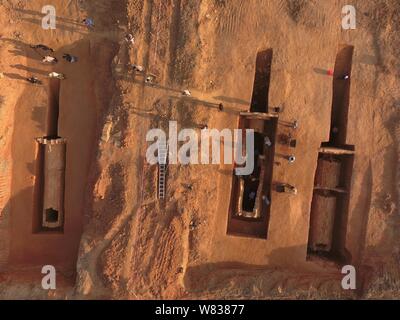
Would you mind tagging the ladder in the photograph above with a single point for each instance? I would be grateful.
(162, 169)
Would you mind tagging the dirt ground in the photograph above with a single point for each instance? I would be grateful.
(119, 241)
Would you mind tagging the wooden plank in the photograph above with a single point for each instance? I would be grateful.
(338, 190)
(258, 115)
(333, 150)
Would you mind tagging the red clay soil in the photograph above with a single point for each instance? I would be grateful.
(118, 240)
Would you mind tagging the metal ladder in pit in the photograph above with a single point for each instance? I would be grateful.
(162, 169)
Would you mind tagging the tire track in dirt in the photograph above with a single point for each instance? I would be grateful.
(173, 254)
(142, 248)
(144, 54)
(4, 186)
(137, 245)
(156, 253)
(248, 16)
(148, 12)
(5, 182)
(397, 138)
(173, 40)
(91, 249)
(164, 259)
(232, 17)
(143, 245)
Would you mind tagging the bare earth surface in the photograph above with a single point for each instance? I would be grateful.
(119, 240)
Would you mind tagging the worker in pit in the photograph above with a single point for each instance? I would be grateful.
(267, 141)
(70, 58)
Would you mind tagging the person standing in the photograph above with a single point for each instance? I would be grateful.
(70, 58)
(137, 68)
(33, 80)
(150, 78)
(130, 39)
(49, 59)
(267, 141)
(88, 22)
(186, 93)
(266, 200)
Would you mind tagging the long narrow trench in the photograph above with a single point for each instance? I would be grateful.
(330, 203)
(251, 195)
(53, 110)
(259, 99)
(341, 96)
(50, 170)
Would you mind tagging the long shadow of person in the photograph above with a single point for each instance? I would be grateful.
(22, 49)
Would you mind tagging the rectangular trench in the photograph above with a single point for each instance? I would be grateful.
(250, 226)
(329, 207)
(249, 212)
(49, 189)
(332, 184)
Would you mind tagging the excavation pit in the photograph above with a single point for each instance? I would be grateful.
(251, 195)
(50, 185)
(329, 208)
(332, 183)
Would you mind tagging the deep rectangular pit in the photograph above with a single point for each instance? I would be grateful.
(251, 183)
(49, 185)
(329, 208)
(259, 99)
(33, 246)
(249, 215)
(50, 170)
(330, 203)
(53, 109)
(341, 96)
(250, 200)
